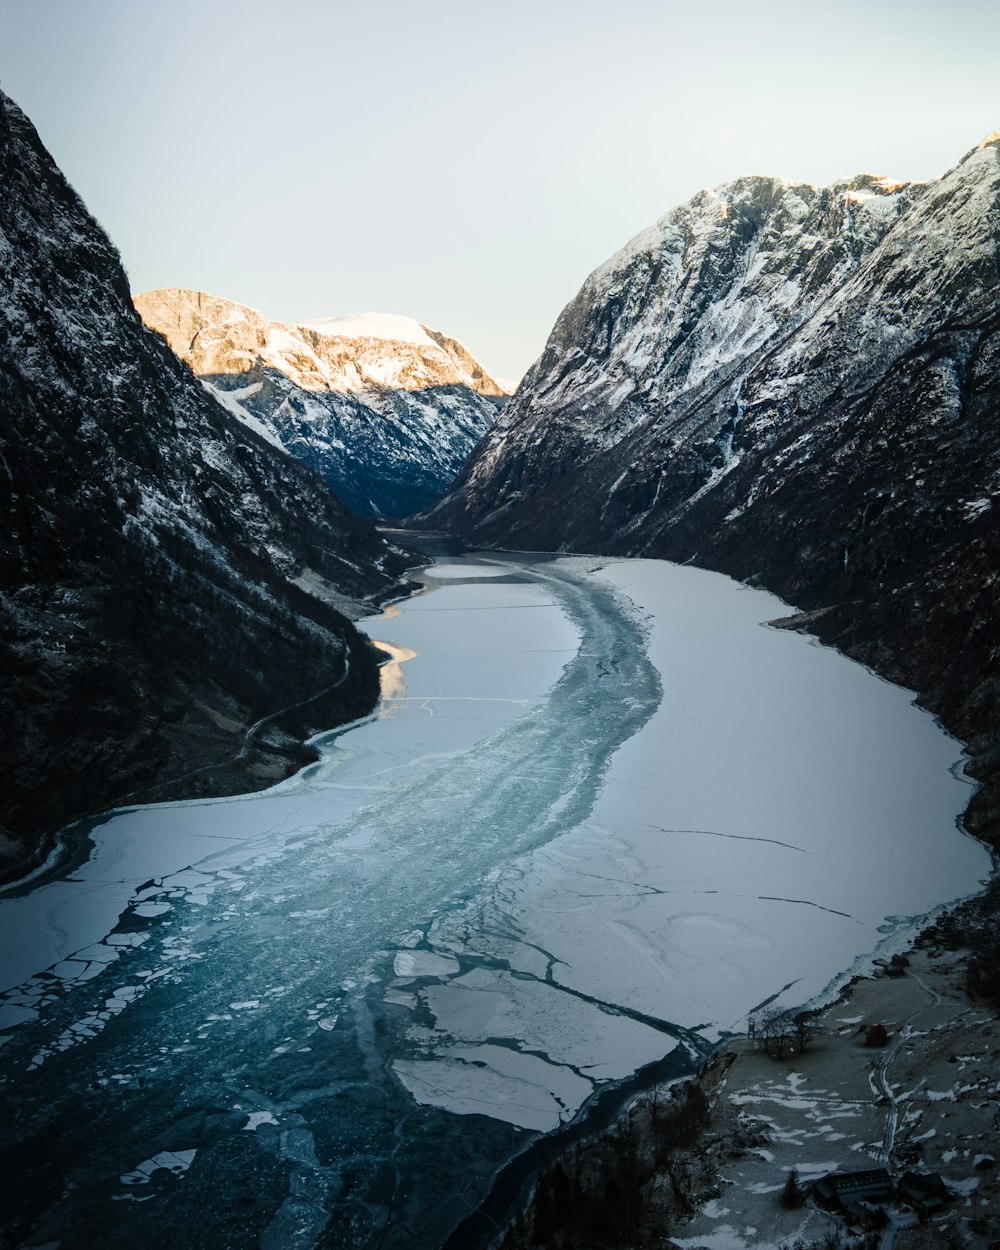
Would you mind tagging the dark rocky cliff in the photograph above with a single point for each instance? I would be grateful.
(801, 388)
(167, 576)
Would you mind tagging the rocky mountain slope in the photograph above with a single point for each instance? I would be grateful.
(798, 387)
(167, 576)
(383, 407)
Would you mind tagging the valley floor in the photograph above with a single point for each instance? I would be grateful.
(929, 1100)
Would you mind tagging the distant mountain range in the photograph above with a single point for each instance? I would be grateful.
(168, 575)
(384, 408)
(799, 386)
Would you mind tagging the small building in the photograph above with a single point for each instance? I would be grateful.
(838, 1190)
(864, 1216)
(925, 1192)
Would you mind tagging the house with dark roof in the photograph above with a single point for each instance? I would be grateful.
(838, 1190)
(925, 1192)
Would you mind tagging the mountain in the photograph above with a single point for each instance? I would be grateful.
(383, 407)
(799, 387)
(168, 577)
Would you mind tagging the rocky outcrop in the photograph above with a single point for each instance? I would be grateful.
(798, 387)
(383, 407)
(168, 577)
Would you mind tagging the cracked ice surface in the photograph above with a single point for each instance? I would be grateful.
(600, 815)
(782, 817)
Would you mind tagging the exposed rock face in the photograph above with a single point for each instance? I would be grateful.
(798, 387)
(383, 407)
(167, 577)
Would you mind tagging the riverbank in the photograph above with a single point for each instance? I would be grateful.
(927, 1100)
(206, 745)
(599, 822)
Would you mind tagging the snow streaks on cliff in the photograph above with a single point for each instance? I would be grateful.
(168, 577)
(798, 386)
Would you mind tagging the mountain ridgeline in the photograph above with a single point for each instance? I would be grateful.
(168, 576)
(799, 387)
(384, 408)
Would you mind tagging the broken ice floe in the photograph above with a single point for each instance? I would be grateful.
(174, 1161)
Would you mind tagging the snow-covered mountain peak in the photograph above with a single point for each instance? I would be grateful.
(740, 210)
(704, 325)
(709, 284)
(371, 325)
(168, 577)
(211, 334)
(386, 408)
(734, 298)
(350, 354)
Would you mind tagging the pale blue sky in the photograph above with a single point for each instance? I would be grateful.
(468, 164)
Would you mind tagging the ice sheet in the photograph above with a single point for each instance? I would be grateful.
(602, 812)
(782, 816)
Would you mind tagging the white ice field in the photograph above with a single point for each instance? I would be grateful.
(603, 811)
(777, 816)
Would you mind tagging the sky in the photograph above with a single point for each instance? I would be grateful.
(468, 164)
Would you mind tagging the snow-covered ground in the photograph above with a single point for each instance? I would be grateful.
(601, 814)
(925, 1101)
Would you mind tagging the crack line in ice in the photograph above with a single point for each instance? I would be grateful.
(536, 1052)
(497, 964)
(455, 698)
(739, 837)
(677, 1032)
(804, 902)
(634, 885)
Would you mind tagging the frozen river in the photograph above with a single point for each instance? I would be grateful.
(602, 813)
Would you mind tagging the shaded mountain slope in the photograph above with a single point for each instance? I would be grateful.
(382, 407)
(799, 387)
(167, 576)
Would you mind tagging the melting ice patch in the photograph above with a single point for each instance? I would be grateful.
(175, 1161)
(423, 964)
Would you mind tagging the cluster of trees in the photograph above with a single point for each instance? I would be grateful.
(983, 974)
(973, 926)
(783, 1032)
(598, 1191)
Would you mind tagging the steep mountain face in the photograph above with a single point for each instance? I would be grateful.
(383, 407)
(167, 577)
(798, 387)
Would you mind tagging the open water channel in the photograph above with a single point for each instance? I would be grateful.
(602, 812)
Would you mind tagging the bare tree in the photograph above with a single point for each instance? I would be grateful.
(775, 1028)
(805, 1029)
(783, 1031)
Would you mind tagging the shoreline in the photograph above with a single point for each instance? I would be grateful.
(622, 1097)
(259, 757)
(928, 1100)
